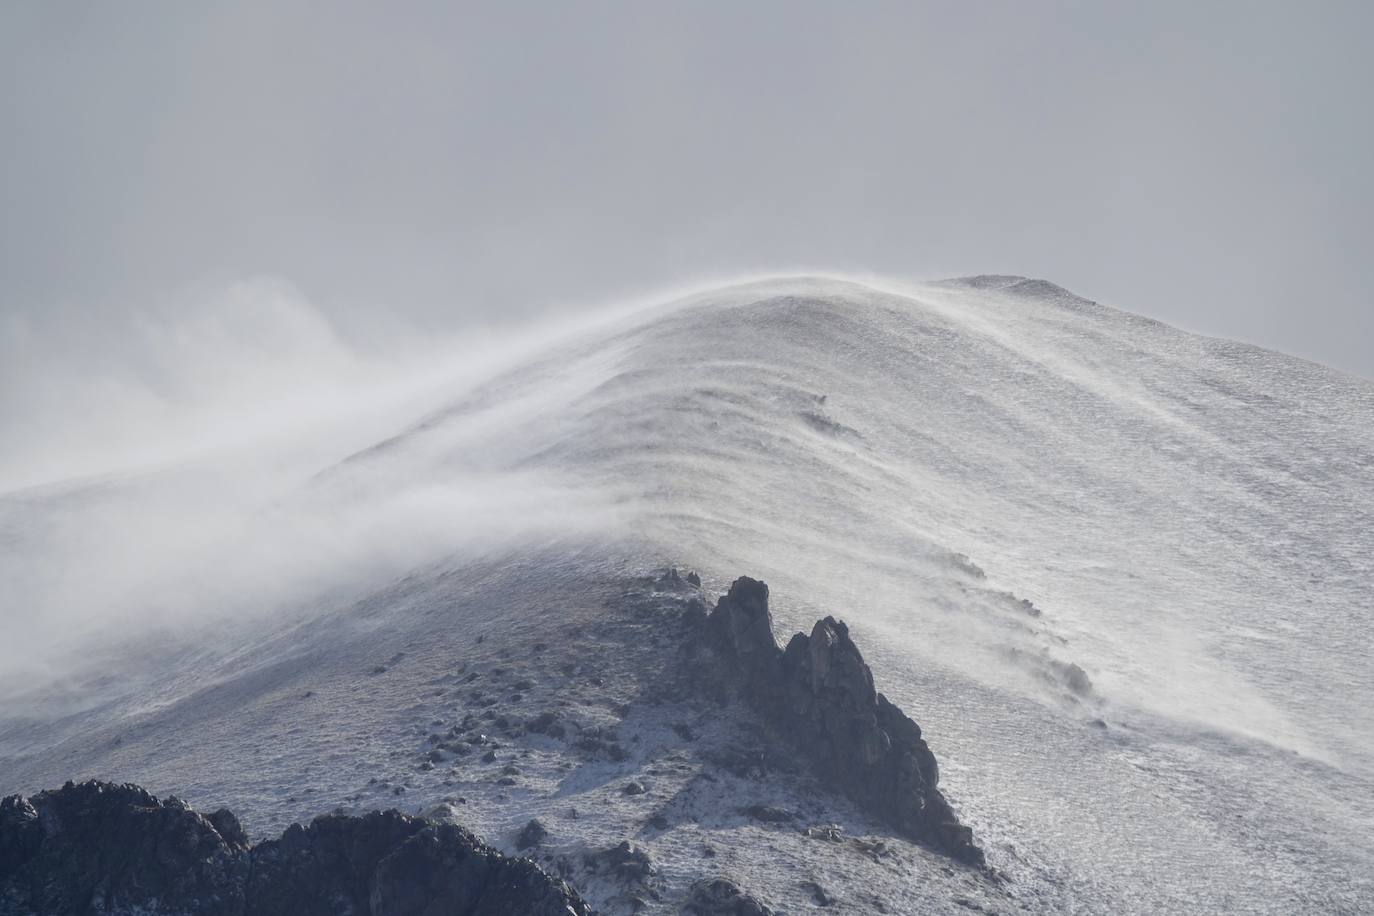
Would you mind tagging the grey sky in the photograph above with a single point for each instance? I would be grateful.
(1207, 164)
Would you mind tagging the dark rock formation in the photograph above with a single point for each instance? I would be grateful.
(106, 848)
(103, 848)
(626, 862)
(531, 835)
(722, 897)
(819, 694)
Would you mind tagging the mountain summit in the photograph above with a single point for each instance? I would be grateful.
(1118, 573)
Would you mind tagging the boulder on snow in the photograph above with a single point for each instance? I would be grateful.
(625, 862)
(722, 897)
(531, 835)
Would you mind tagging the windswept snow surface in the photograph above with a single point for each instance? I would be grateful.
(1118, 572)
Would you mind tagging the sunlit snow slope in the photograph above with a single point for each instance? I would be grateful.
(1120, 573)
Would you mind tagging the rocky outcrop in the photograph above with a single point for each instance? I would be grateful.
(95, 847)
(102, 848)
(819, 694)
(626, 862)
(722, 897)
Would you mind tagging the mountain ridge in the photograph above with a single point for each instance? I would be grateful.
(1115, 567)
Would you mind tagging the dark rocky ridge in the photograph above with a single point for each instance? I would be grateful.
(819, 694)
(102, 848)
(723, 736)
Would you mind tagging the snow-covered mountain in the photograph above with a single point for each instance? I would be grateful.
(1119, 574)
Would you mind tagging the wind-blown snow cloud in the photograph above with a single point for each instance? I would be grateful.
(80, 397)
(190, 472)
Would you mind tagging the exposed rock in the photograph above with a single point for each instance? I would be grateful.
(103, 848)
(722, 897)
(962, 562)
(114, 848)
(672, 580)
(744, 762)
(819, 896)
(626, 862)
(531, 835)
(228, 827)
(819, 694)
(831, 833)
(633, 787)
(600, 743)
(547, 723)
(1074, 678)
(20, 833)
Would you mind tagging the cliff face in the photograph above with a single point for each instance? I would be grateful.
(819, 694)
(102, 848)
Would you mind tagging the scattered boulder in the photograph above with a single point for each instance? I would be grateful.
(531, 835)
(547, 723)
(116, 849)
(626, 862)
(602, 743)
(672, 580)
(819, 694)
(831, 833)
(722, 897)
(1073, 677)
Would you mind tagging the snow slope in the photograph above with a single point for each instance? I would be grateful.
(1118, 572)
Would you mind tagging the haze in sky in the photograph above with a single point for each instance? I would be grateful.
(428, 169)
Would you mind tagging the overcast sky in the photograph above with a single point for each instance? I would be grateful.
(443, 164)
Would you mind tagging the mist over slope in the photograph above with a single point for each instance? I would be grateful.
(1117, 571)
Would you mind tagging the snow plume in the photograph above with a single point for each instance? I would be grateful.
(80, 397)
(180, 472)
